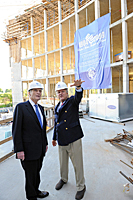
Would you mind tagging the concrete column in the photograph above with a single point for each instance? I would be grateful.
(46, 49)
(54, 64)
(97, 9)
(110, 9)
(47, 87)
(53, 40)
(86, 21)
(70, 57)
(69, 31)
(125, 47)
(60, 39)
(61, 63)
(97, 15)
(32, 46)
(76, 15)
(45, 32)
(60, 25)
(17, 92)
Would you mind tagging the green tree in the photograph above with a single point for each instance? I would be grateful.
(25, 93)
(1, 91)
(8, 90)
(6, 99)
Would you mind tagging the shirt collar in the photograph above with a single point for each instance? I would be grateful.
(61, 102)
(32, 103)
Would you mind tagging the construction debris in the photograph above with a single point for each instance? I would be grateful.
(123, 141)
(126, 164)
(126, 188)
(128, 178)
(132, 161)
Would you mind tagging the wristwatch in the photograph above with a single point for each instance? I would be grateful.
(78, 86)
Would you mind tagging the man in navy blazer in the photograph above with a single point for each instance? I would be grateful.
(68, 133)
(30, 140)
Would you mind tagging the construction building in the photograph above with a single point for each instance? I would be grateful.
(41, 42)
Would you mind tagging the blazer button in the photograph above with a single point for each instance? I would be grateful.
(64, 120)
(58, 123)
(66, 128)
(65, 111)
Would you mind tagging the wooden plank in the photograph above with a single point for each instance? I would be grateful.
(121, 147)
(50, 129)
(6, 120)
(47, 109)
(114, 139)
(11, 153)
(127, 132)
(5, 140)
(50, 118)
(6, 156)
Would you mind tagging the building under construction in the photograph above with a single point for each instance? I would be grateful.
(41, 43)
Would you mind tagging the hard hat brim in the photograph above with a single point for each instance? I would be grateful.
(35, 85)
(35, 88)
(61, 88)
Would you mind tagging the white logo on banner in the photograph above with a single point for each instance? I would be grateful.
(90, 39)
(91, 73)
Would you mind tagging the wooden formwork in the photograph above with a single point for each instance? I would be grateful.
(15, 50)
(20, 26)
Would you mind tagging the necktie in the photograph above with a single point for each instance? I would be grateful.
(38, 116)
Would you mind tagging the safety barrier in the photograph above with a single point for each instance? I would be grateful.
(49, 113)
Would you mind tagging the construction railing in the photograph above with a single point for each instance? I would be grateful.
(49, 113)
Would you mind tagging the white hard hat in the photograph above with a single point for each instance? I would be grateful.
(35, 84)
(60, 86)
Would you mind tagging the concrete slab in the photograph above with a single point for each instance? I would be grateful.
(101, 166)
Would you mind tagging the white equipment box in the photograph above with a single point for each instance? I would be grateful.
(111, 106)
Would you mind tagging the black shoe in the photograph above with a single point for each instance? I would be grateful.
(42, 194)
(80, 194)
(32, 199)
(60, 184)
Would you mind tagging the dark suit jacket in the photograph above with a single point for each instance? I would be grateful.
(28, 136)
(67, 127)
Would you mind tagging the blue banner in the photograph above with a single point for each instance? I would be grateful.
(92, 54)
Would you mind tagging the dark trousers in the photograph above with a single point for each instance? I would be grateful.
(32, 176)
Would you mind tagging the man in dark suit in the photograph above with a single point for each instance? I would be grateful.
(30, 140)
(68, 133)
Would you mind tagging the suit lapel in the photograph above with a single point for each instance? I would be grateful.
(62, 108)
(63, 105)
(57, 113)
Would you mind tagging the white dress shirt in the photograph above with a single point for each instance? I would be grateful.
(33, 105)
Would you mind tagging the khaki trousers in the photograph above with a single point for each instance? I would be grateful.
(74, 151)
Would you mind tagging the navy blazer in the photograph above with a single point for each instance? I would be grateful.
(67, 128)
(28, 136)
